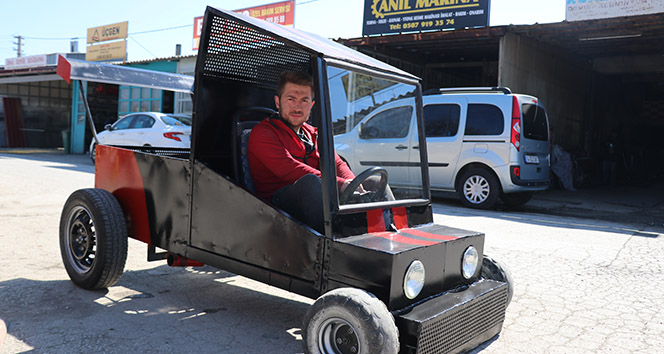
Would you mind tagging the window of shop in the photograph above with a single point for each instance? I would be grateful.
(139, 99)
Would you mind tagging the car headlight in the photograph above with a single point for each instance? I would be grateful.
(469, 262)
(413, 282)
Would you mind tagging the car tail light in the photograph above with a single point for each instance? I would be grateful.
(516, 124)
(516, 171)
(173, 135)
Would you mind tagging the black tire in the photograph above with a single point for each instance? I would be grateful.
(347, 317)
(494, 270)
(513, 200)
(478, 188)
(93, 238)
(93, 151)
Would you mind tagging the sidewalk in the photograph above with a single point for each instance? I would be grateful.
(637, 204)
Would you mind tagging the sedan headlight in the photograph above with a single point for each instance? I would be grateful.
(469, 262)
(413, 282)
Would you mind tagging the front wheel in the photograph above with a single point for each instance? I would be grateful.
(494, 270)
(478, 188)
(93, 238)
(349, 320)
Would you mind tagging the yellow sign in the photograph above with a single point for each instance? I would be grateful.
(108, 32)
(107, 51)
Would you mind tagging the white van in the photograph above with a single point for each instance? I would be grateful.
(483, 143)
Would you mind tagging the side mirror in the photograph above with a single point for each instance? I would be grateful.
(108, 127)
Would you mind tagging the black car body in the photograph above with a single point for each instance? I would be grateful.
(197, 206)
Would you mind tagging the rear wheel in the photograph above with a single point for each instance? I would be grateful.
(93, 238)
(494, 270)
(478, 188)
(349, 320)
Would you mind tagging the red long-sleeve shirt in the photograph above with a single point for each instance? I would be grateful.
(277, 157)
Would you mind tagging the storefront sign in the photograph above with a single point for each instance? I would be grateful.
(397, 16)
(577, 10)
(25, 62)
(282, 13)
(198, 27)
(107, 51)
(108, 32)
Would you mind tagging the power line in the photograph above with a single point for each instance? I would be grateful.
(130, 34)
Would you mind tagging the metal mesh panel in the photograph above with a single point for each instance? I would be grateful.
(240, 53)
(447, 332)
(179, 153)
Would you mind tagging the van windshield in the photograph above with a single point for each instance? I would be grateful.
(374, 125)
(534, 122)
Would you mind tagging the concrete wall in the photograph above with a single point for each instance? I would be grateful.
(561, 80)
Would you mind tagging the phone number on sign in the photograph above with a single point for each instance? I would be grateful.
(423, 24)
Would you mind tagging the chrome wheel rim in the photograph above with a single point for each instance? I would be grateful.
(80, 239)
(476, 189)
(338, 336)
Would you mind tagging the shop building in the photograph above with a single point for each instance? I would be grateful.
(597, 78)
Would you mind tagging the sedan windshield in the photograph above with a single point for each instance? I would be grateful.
(375, 130)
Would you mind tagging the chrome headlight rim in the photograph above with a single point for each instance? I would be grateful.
(413, 280)
(470, 262)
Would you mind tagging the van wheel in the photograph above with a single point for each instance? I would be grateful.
(93, 238)
(494, 270)
(513, 200)
(478, 188)
(349, 320)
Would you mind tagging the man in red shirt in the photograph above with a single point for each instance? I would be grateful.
(283, 154)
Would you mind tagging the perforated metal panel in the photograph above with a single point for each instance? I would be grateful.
(241, 53)
(449, 331)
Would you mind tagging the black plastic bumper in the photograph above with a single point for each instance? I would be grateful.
(454, 322)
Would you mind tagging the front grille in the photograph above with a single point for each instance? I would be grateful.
(450, 330)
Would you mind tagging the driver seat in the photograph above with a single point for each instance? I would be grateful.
(244, 120)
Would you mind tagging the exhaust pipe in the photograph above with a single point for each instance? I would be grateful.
(175, 260)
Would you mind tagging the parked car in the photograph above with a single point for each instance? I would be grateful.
(146, 129)
(483, 143)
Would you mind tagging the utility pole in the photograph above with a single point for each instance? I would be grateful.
(19, 44)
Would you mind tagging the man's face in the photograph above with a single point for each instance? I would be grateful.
(295, 104)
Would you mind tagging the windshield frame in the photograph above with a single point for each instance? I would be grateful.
(325, 106)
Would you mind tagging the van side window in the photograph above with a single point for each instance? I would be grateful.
(484, 119)
(392, 123)
(441, 120)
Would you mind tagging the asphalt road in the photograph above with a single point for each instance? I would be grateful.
(582, 285)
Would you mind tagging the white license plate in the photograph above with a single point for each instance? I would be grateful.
(532, 159)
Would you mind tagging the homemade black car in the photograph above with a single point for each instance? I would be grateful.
(386, 278)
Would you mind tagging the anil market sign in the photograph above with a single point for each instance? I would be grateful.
(398, 16)
(282, 13)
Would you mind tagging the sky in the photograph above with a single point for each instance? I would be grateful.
(155, 27)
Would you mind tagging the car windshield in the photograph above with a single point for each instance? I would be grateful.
(374, 125)
(176, 120)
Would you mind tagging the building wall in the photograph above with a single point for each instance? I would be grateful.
(561, 80)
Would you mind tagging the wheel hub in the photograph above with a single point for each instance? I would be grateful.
(80, 241)
(338, 336)
(476, 189)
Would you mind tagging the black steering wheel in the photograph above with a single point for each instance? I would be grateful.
(375, 195)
